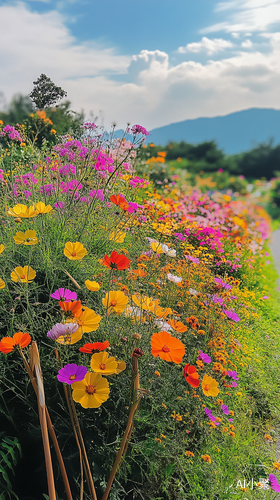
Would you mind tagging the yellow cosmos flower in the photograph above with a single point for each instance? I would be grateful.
(88, 321)
(2, 248)
(23, 211)
(70, 339)
(117, 236)
(101, 363)
(156, 247)
(27, 238)
(145, 303)
(210, 386)
(115, 301)
(42, 208)
(24, 274)
(121, 366)
(2, 284)
(93, 286)
(74, 251)
(92, 391)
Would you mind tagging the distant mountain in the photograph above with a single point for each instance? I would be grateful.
(234, 133)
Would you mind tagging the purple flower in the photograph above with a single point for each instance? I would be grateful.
(192, 259)
(72, 373)
(219, 281)
(64, 294)
(233, 384)
(230, 419)
(225, 409)
(210, 416)
(59, 205)
(233, 374)
(60, 329)
(204, 357)
(137, 129)
(232, 315)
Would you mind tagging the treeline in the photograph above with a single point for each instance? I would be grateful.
(261, 161)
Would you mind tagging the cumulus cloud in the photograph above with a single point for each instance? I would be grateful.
(41, 43)
(148, 88)
(206, 45)
(246, 15)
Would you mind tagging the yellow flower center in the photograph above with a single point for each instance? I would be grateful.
(102, 366)
(165, 348)
(22, 277)
(73, 254)
(90, 389)
(207, 387)
(72, 377)
(113, 303)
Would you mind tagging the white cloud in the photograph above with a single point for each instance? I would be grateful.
(40, 43)
(154, 90)
(246, 15)
(206, 45)
(247, 44)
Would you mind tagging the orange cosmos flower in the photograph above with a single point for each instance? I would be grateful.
(7, 344)
(94, 347)
(115, 301)
(115, 261)
(167, 347)
(74, 251)
(120, 201)
(177, 325)
(210, 386)
(191, 375)
(73, 309)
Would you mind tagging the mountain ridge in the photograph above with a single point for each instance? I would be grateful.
(234, 133)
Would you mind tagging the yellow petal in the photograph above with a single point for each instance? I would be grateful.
(93, 286)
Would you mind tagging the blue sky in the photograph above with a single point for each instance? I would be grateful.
(152, 62)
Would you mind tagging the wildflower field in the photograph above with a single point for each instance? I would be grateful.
(139, 328)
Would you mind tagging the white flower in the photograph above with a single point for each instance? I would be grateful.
(163, 325)
(193, 291)
(172, 277)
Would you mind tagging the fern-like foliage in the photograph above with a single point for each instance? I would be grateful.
(10, 451)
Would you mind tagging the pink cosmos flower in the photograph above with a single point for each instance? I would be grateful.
(72, 373)
(64, 294)
(62, 329)
(204, 357)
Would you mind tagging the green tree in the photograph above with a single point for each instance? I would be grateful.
(45, 93)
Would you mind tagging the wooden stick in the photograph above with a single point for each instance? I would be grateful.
(34, 355)
(51, 432)
(129, 425)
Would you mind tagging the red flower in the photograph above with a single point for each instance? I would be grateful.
(7, 344)
(120, 201)
(191, 375)
(116, 261)
(95, 347)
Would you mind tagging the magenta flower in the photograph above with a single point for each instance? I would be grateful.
(137, 129)
(274, 483)
(219, 281)
(210, 416)
(204, 357)
(64, 294)
(233, 374)
(192, 259)
(62, 329)
(72, 373)
(225, 409)
(232, 315)
(234, 384)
